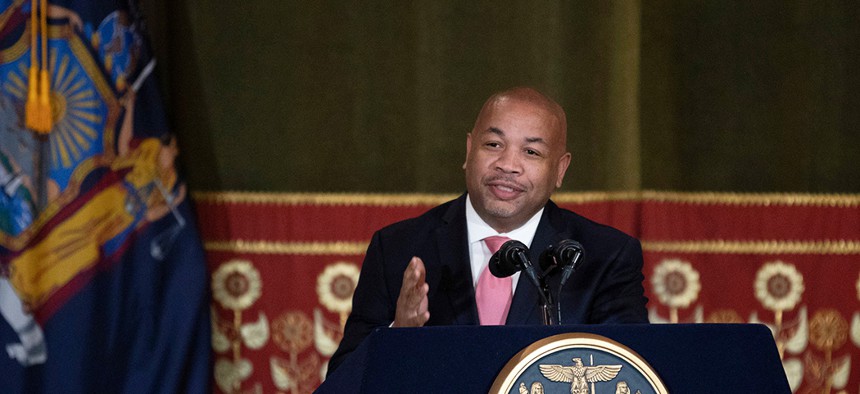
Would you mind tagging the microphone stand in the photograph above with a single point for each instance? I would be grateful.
(546, 301)
(547, 304)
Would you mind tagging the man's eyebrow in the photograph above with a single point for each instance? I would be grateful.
(530, 140)
(496, 130)
(536, 140)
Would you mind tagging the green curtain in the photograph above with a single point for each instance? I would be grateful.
(378, 96)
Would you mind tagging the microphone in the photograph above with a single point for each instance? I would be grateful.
(569, 253)
(512, 258)
(506, 261)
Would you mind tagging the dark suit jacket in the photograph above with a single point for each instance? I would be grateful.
(606, 288)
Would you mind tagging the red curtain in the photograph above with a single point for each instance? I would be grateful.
(284, 266)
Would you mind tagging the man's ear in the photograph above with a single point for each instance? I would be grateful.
(468, 148)
(563, 163)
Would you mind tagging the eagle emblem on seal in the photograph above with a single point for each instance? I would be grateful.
(579, 375)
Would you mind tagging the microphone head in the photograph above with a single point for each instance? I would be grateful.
(568, 253)
(564, 255)
(505, 262)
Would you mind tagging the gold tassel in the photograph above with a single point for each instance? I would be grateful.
(45, 113)
(31, 107)
(38, 115)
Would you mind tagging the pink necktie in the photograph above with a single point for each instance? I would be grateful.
(493, 295)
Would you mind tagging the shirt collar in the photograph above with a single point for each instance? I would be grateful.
(478, 229)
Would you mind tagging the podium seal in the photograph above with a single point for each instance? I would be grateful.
(577, 363)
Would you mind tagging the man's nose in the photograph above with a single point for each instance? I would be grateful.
(509, 162)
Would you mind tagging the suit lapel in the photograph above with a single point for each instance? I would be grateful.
(525, 307)
(456, 281)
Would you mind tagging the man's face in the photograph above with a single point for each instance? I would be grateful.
(515, 158)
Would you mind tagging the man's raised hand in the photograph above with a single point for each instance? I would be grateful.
(412, 302)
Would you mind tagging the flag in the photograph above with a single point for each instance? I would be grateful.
(103, 283)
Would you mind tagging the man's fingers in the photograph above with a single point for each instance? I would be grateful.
(422, 313)
(419, 266)
(417, 295)
(412, 304)
(414, 273)
(421, 288)
(409, 274)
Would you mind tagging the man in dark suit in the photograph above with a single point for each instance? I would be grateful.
(429, 270)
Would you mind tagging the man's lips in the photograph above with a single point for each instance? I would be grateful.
(505, 190)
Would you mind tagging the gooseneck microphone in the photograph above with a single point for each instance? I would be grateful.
(565, 256)
(512, 257)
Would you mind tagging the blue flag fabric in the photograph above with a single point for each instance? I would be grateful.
(103, 282)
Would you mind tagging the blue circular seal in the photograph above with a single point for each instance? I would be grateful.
(577, 363)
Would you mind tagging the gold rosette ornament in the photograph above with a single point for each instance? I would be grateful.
(335, 286)
(676, 284)
(828, 331)
(778, 286)
(293, 333)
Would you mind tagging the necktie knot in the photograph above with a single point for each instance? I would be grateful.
(495, 242)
